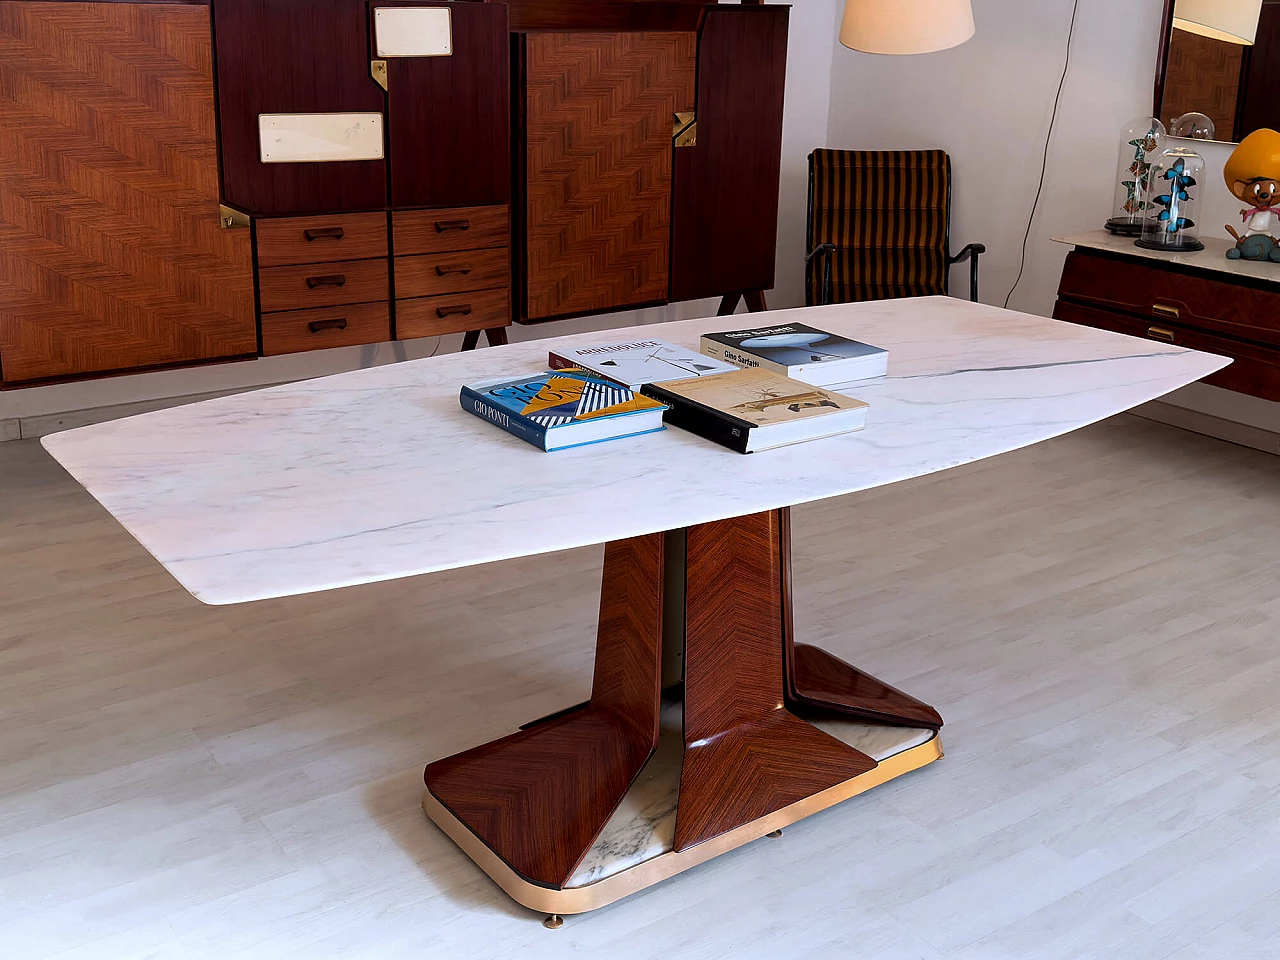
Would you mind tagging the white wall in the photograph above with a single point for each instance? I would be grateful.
(988, 102)
(809, 55)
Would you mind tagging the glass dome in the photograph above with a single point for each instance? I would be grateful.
(1193, 126)
(1141, 139)
(1173, 186)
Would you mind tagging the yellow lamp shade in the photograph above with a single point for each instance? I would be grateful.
(905, 26)
(1235, 21)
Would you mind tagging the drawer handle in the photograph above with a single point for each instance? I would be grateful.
(1163, 310)
(328, 280)
(1160, 333)
(443, 225)
(458, 309)
(324, 233)
(447, 268)
(334, 323)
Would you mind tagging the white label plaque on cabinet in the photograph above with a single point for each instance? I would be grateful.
(319, 137)
(412, 31)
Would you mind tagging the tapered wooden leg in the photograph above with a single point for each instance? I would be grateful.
(539, 797)
(819, 681)
(728, 304)
(746, 755)
(497, 336)
(470, 339)
(755, 301)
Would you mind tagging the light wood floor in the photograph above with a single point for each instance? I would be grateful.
(1096, 618)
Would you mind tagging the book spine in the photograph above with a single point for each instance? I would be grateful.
(557, 362)
(713, 348)
(475, 403)
(704, 421)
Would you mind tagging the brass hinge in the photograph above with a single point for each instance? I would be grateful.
(230, 218)
(378, 70)
(685, 129)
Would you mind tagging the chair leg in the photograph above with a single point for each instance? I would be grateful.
(728, 304)
(471, 339)
(497, 336)
(755, 301)
(973, 279)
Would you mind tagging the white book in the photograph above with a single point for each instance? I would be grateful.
(634, 363)
(800, 352)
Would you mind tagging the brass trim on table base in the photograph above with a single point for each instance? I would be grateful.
(603, 892)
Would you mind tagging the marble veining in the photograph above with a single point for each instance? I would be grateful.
(377, 473)
(1212, 257)
(644, 825)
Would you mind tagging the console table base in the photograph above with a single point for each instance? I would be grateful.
(633, 879)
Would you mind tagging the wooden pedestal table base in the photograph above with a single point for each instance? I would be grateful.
(539, 810)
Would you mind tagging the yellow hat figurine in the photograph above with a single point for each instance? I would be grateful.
(1252, 173)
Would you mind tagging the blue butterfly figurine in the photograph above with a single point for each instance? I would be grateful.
(1180, 181)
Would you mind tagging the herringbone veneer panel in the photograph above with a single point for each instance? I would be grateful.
(539, 798)
(745, 755)
(111, 256)
(600, 109)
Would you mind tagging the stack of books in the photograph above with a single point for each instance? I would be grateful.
(748, 390)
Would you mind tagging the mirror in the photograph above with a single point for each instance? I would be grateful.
(1212, 88)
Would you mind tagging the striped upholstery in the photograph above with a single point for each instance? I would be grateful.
(886, 211)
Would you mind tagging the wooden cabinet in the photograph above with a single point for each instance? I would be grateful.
(294, 57)
(111, 253)
(1202, 308)
(490, 161)
(449, 127)
(725, 219)
(599, 116)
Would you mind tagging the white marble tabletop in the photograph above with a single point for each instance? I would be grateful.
(378, 473)
(1212, 257)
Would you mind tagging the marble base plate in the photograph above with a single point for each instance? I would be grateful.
(635, 848)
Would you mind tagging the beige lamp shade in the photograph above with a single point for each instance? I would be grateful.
(905, 26)
(1235, 21)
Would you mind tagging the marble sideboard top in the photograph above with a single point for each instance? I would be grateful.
(378, 473)
(1212, 258)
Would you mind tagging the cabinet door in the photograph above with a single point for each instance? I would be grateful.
(111, 252)
(448, 119)
(294, 57)
(725, 220)
(599, 116)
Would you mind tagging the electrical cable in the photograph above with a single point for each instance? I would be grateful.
(1044, 160)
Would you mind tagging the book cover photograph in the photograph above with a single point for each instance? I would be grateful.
(637, 362)
(799, 351)
(762, 398)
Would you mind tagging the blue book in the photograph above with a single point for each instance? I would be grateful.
(562, 408)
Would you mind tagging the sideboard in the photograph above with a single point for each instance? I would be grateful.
(214, 180)
(1199, 300)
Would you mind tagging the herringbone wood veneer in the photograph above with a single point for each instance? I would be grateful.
(111, 256)
(745, 754)
(599, 121)
(539, 797)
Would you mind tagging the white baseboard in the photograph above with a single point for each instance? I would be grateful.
(1243, 434)
(27, 428)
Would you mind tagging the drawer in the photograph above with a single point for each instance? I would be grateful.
(322, 284)
(1255, 369)
(449, 228)
(349, 236)
(297, 330)
(1166, 295)
(452, 313)
(429, 274)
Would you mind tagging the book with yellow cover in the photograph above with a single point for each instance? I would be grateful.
(750, 410)
(565, 408)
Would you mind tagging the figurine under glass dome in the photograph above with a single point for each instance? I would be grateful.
(1172, 191)
(1140, 140)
